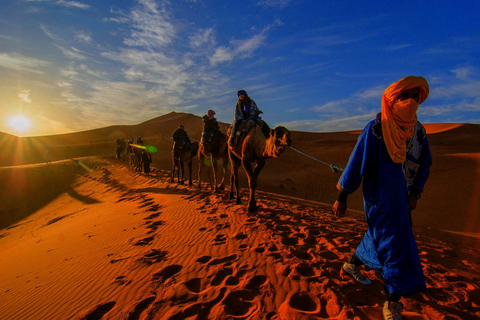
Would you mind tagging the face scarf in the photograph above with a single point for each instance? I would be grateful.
(399, 118)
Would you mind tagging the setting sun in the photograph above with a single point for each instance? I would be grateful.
(20, 123)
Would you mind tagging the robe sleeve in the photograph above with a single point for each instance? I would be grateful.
(361, 155)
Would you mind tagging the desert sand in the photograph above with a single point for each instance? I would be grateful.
(87, 237)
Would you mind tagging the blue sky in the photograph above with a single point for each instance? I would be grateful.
(68, 66)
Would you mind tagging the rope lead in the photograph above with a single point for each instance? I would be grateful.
(332, 166)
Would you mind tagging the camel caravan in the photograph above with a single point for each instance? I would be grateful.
(248, 142)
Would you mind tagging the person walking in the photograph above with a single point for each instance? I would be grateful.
(392, 158)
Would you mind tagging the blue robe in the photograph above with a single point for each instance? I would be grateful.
(389, 245)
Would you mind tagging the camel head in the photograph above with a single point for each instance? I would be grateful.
(279, 139)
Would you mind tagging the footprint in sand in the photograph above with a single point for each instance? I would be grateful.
(232, 281)
(204, 259)
(240, 236)
(242, 303)
(222, 226)
(259, 249)
(305, 270)
(289, 241)
(220, 239)
(139, 308)
(221, 275)
(304, 303)
(144, 241)
(153, 216)
(154, 256)
(122, 281)
(146, 204)
(301, 254)
(154, 226)
(194, 285)
(154, 207)
(166, 273)
(256, 283)
(97, 312)
(231, 258)
(328, 255)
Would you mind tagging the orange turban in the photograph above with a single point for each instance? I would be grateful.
(399, 119)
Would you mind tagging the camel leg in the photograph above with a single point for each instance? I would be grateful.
(213, 162)
(173, 170)
(182, 167)
(190, 173)
(252, 183)
(225, 173)
(200, 168)
(234, 178)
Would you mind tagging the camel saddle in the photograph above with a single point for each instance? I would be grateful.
(245, 126)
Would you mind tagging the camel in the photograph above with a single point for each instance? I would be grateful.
(213, 151)
(185, 154)
(254, 147)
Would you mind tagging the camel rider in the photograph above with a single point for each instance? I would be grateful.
(210, 126)
(180, 137)
(244, 109)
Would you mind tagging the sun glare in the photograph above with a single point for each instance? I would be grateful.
(19, 123)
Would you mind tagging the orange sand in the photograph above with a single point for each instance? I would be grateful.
(115, 244)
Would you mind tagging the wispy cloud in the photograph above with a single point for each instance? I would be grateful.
(202, 37)
(398, 47)
(150, 26)
(63, 3)
(329, 125)
(239, 49)
(73, 4)
(20, 62)
(72, 53)
(274, 3)
(47, 32)
(83, 36)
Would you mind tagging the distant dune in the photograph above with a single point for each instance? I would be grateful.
(112, 243)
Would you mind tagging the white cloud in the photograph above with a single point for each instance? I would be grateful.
(222, 54)
(24, 96)
(202, 37)
(463, 73)
(83, 36)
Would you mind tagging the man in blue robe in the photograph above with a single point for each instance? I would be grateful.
(392, 158)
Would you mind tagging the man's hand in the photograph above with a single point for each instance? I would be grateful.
(339, 209)
(412, 202)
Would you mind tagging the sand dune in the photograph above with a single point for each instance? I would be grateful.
(112, 243)
(116, 244)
